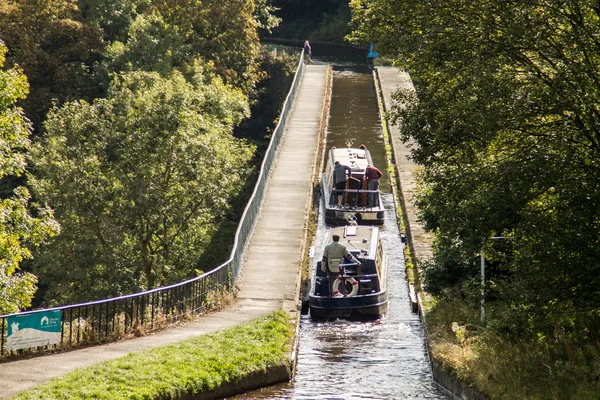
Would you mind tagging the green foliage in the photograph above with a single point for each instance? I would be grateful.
(55, 48)
(114, 17)
(264, 16)
(505, 121)
(333, 27)
(502, 368)
(223, 32)
(19, 230)
(184, 369)
(167, 35)
(325, 20)
(138, 181)
(269, 95)
(69, 48)
(152, 45)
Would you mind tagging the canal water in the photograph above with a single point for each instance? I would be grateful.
(385, 359)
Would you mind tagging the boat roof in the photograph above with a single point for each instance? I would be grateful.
(357, 159)
(361, 238)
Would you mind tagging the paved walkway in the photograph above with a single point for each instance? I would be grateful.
(271, 273)
(390, 80)
(276, 247)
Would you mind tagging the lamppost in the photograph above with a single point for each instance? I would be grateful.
(482, 287)
(482, 259)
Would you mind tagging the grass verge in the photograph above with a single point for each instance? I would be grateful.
(503, 369)
(183, 369)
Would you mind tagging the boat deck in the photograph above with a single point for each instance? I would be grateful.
(360, 291)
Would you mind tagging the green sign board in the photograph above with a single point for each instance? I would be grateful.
(32, 330)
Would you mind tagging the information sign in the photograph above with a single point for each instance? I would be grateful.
(33, 330)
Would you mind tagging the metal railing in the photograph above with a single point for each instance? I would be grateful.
(356, 199)
(139, 313)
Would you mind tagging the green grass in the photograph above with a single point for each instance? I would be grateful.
(506, 369)
(186, 368)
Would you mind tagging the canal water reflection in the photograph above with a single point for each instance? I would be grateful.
(383, 359)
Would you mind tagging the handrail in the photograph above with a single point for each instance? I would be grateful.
(111, 319)
(344, 276)
(267, 162)
(356, 190)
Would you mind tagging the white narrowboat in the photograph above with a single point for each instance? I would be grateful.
(359, 291)
(350, 200)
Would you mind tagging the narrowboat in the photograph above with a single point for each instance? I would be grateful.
(359, 292)
(353, 202)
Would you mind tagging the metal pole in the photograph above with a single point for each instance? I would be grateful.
(4, 322)
(482, 288)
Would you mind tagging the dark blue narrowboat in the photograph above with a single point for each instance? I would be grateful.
(359, 291)
(354, 202)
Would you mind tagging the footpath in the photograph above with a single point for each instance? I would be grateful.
(271, 270)
(390, 81)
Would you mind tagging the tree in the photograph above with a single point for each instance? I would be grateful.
(139, 181)
(224, 33)
(55, 49)
(19, 230)
(264, 16)
(505, 119)
(325, 20)
(113, 17)
(152, 45)
(270, 94)
(172, 34)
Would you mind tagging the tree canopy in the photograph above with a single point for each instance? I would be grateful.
(21, 226)
(133, 106)
(325, 20)
(54, 46)
(68, 49)
(138, 180)
(505, 121)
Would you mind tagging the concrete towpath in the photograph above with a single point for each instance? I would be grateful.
(390, 81)
(271, 271)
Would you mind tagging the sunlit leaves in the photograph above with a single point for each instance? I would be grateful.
(53, 45)
(223, 32)
(14, 129)
(19, 230)
(506, 127)
(139, 180)
(152, 45)
(263, 15)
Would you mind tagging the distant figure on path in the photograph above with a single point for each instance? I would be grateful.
(372, 175)
(307, 53)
